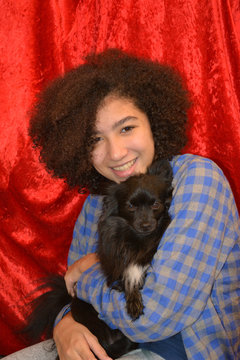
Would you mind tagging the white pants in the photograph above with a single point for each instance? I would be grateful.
(43, 351)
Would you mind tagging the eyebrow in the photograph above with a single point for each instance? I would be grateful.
(119, 123)
(122, 121)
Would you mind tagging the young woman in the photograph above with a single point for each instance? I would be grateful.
(105, 121)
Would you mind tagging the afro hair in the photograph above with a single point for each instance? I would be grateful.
(63, 119)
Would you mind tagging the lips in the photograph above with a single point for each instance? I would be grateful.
(124, 166)
(125, 170)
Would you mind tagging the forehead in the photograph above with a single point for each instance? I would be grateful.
(149, 184)
(114, 111)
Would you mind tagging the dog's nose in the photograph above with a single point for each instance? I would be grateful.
(146, 226)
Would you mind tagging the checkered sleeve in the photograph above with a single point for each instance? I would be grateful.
(85, 230)
(189, 258)
(84, 237)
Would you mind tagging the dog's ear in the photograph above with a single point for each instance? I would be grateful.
(163, 169)
(110, 201)
(168, 198)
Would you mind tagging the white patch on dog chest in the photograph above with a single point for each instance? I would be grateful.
(134, 276)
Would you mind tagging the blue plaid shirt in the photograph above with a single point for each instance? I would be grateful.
(193, 285)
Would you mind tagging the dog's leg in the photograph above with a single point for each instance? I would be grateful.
(134, 277)
(134, 303)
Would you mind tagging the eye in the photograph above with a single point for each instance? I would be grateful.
(131, 207)
(127, 129)
(96, 139)
(156, 205)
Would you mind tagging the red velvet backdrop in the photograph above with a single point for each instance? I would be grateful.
(40, 40)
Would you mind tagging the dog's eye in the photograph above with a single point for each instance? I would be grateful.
(156, 205)
(131, 207)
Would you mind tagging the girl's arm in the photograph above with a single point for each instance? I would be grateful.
(196, 245)
(76, 269)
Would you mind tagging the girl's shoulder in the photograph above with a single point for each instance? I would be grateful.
(91, 209)
(93, 202)
(189, 163)
(193, 170)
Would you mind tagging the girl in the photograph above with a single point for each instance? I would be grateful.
(103, 122)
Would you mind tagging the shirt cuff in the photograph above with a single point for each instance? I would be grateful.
(65, 310)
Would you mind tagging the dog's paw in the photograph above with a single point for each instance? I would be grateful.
(134, 305)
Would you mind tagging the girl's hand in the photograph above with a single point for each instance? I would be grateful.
(74, 271)
(75, 342)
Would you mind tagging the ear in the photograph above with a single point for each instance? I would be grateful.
(110, 203)
(168, 199)
(163, 169)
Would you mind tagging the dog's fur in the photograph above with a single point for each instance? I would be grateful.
(134, 218)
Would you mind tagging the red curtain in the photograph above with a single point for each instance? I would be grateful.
(40, 40)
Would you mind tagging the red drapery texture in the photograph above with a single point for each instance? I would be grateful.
(40, 40)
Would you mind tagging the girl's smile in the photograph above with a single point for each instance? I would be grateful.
(126, 169)
(123, 138)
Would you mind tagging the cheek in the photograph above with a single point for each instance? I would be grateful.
(146, 143)
(158, 214)
(146, 151)
(97, 157)
(128, 216)
(142, 144)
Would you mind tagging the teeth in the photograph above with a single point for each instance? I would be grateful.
(125, 166)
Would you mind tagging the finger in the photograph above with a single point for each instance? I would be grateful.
(70, 286)
(76, 352)
(81, 353)
(71, 290)
(97, 349)
(73, 293)
(74, 290)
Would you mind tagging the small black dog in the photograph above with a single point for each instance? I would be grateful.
(134, 218)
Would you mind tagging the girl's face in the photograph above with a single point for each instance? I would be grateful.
(124, 143)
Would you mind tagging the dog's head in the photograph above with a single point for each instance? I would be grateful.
(142, 200)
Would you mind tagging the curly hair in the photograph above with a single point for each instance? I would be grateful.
(64, 116)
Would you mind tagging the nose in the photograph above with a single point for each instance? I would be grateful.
(147, 226)
(117, 149)
(144, 225)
